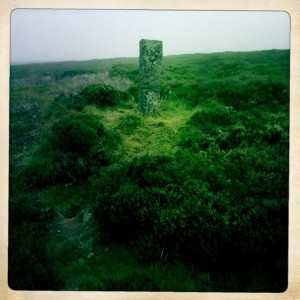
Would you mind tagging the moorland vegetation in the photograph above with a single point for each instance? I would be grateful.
(191, 198)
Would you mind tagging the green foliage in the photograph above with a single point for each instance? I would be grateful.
(130, 195)
(204, 183)
(133, 91)
(62, 103)
(72, 73)
(114, 268)
(241, 80)
(239, 94)
(153, 207)
(262, 92)
(77, 132)
(211, 118)
(102, 95)
(129, 123)
(28, 217)
(68, 199)
(77, 144)
(130, 71)
(50, 166)
(151, 170)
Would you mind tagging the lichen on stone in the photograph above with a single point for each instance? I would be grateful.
(150, 73)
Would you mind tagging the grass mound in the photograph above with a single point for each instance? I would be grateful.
(100, 95)
(76, 146)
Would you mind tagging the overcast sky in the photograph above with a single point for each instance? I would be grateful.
(57, 35)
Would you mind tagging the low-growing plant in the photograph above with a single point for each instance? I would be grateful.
(77, 132)
(129, 123)
(28, 217)
(125, 70)
(103, 95)
(212, 118)
(194, 139)
(130, 194)
(77, 144)
(72, 73)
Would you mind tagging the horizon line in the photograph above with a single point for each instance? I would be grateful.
(29, 62)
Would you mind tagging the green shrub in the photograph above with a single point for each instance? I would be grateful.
(52, 166)
(158, 208)
(121, 215)
(239, 94)
(125, 70)
(77, 145)
(133, 91)
(273, 134)
(78, 132)
(194, 139)
(213, 125)
(236, 94)
(173, 219)
(201, 92)
(237, 136)
(59, 107)
(102, 95)
(95, 94)
(256, 92)
(209, 118)
(152, 170)
(28, 267)
(129, 195)
(155, 211)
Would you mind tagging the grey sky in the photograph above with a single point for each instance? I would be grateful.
(57, 35)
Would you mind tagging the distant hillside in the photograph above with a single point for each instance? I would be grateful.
(95, 65)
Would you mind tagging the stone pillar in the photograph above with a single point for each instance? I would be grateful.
(150, 73)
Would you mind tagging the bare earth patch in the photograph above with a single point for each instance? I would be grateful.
(78, 231)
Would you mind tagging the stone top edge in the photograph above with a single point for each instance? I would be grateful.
(150, 41)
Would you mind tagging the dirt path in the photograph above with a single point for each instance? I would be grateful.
(78, 231)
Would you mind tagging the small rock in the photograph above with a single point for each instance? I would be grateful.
(81, 261)
(90, 255)
(58, 231)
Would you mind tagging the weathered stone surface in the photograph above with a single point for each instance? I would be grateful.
(150, 73)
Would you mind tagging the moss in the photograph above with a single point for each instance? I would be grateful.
(150, 74)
